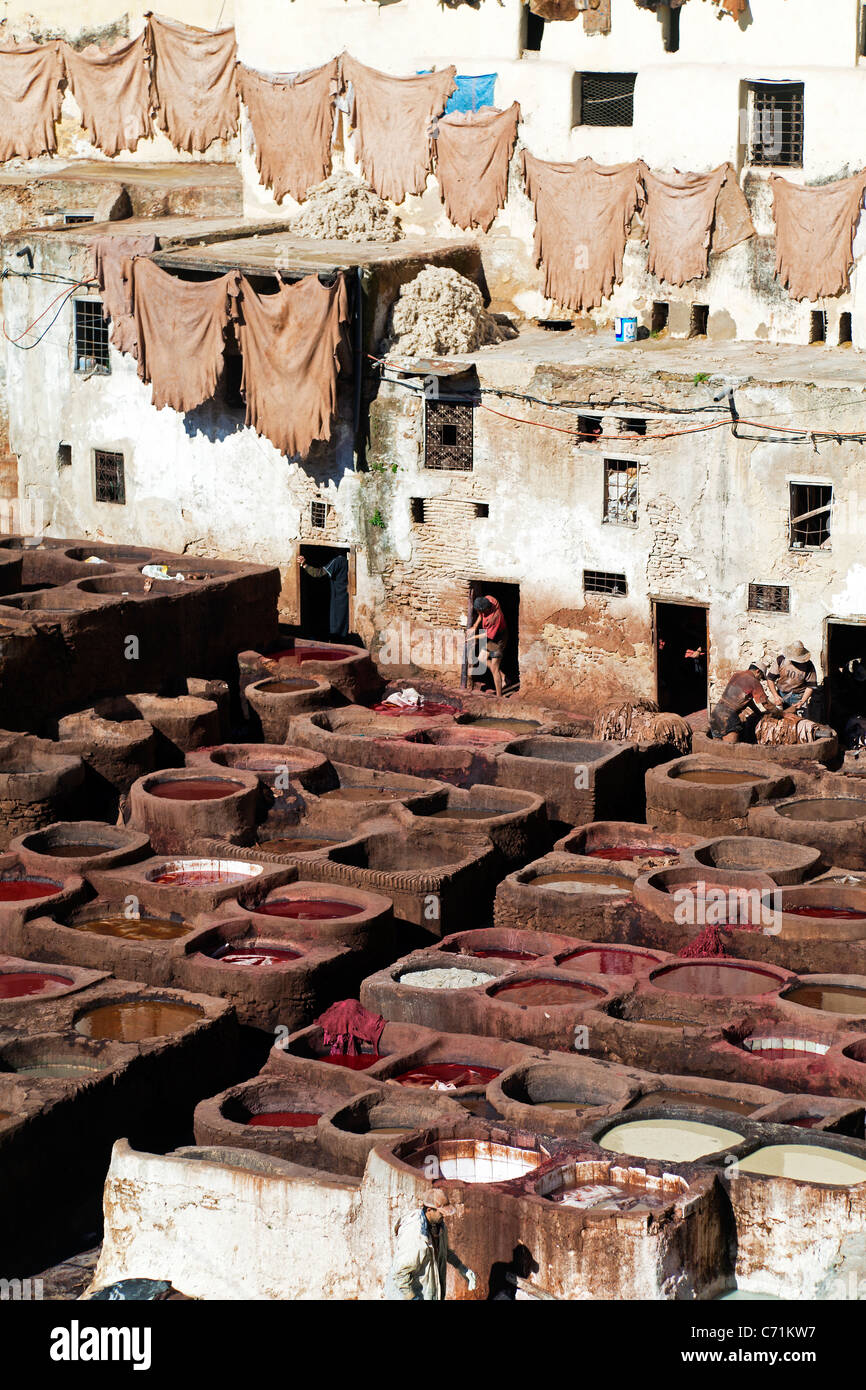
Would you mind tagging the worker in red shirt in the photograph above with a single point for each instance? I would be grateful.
(490, 617)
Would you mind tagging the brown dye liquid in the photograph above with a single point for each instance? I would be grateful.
(135, 928)
(566, 1107)
(831, 999)
(718, 777)
(133, 1022)
(389, 1131)
(726, 1103)
(491, 721)
(594, 880)
(465, 813)
(829, 808)
(296, 846)
(4, 1114)
(534, 993)
(286, 687)
(195, 789)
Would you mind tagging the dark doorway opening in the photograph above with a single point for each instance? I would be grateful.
(681, 680)
(508, 598)
(844, 694)
(315, 605)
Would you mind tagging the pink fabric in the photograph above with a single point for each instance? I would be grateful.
(347, 1024)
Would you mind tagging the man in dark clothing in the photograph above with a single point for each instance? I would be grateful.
(742, 693)
(337, 571)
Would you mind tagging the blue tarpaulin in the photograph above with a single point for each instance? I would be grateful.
(471, 93)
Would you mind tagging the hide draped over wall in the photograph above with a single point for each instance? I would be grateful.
(113, 257)
(181, 327)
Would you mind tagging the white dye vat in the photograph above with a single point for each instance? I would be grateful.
(452, 978)
(478, 1161)
(673, 1141)
(806, 1163)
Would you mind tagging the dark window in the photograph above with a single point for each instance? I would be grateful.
(659, 321)
(810, 515)
(534, 31)
(698, 320)
(632, 425)
(620, 492)
(416, 510)
(318, 514)
(845, 333)
(73, 219)
(818, 326)
(64, 455)
(607, 98)
(769, 598)
(482, 509)
(672, 30)
(91, 337)
(448, 436)
(110, 483)
(776, 123)
(589, 426)
(603, 582)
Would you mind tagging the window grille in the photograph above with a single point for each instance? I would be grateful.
(607, 98)
(620, 492)
(318, 514)
(110, 480)
(91, 337)
(603, 582)
(810, 515)
(448, 436)
(769, 598)
(776, 121)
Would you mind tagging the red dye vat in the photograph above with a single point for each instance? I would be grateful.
(500, 953)
(535, 992)
(430, 708)
(17, 890)
(194, 789)
(298, 654)
(611, 962)
(628, 852)
(255, 955)
(309, 909)
(844, 914)
(285, 1119)
(453, 1073)
(16, 985)
(360, 1062)
(803, 1121)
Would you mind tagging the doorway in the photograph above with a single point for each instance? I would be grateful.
(681, 679)
(508, 598)
(315, 594)
(844, 695)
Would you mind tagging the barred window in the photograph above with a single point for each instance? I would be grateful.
(776, 119)
(448, 441)
(318, 514)
(810, 515)
(109, 477)
(620, 492)
(607, 98)
(769, 598)
(91, 337)
(603, 582)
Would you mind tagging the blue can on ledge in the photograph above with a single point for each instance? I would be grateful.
(625, 328)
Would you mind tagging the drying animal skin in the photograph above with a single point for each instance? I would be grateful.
(30, 99)
(112, 88)
(473, 150)
(392, 118)
(293, 122)
(815, 234)
(181, 326)
(113, 257)
(682, 224)
(194, 82)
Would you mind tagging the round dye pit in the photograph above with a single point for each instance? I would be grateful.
(806, 1163)
(725, 1103)
(285, 1119)
(612, 960)
(26, 983)
(479, 1161)
(465, 813)
(383, 793)
(247, 956)
(203, 873)
(565, 1107)
(136, 1020)
(830, 999)
(194, 789)
(627, 853)
(70, 849)
(782, 1048)
(448, 978)
(135, 928)
(309, 909)
(583, 883)
(492, 721)
(22, 890)
(447, 1075)
(479, 1106)
(535, 993)
(290, 687)
(718, 980)
(58, 1069)
(839, 914)
(299, 654)
(824, 808)
(389, 1131)
(298, 844)
(671, 1140)
(718, 777)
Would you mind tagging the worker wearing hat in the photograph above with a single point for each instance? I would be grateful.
(792, 679)
(421, 1257)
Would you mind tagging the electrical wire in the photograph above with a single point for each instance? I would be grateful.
(28, 347)
(64, 295)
